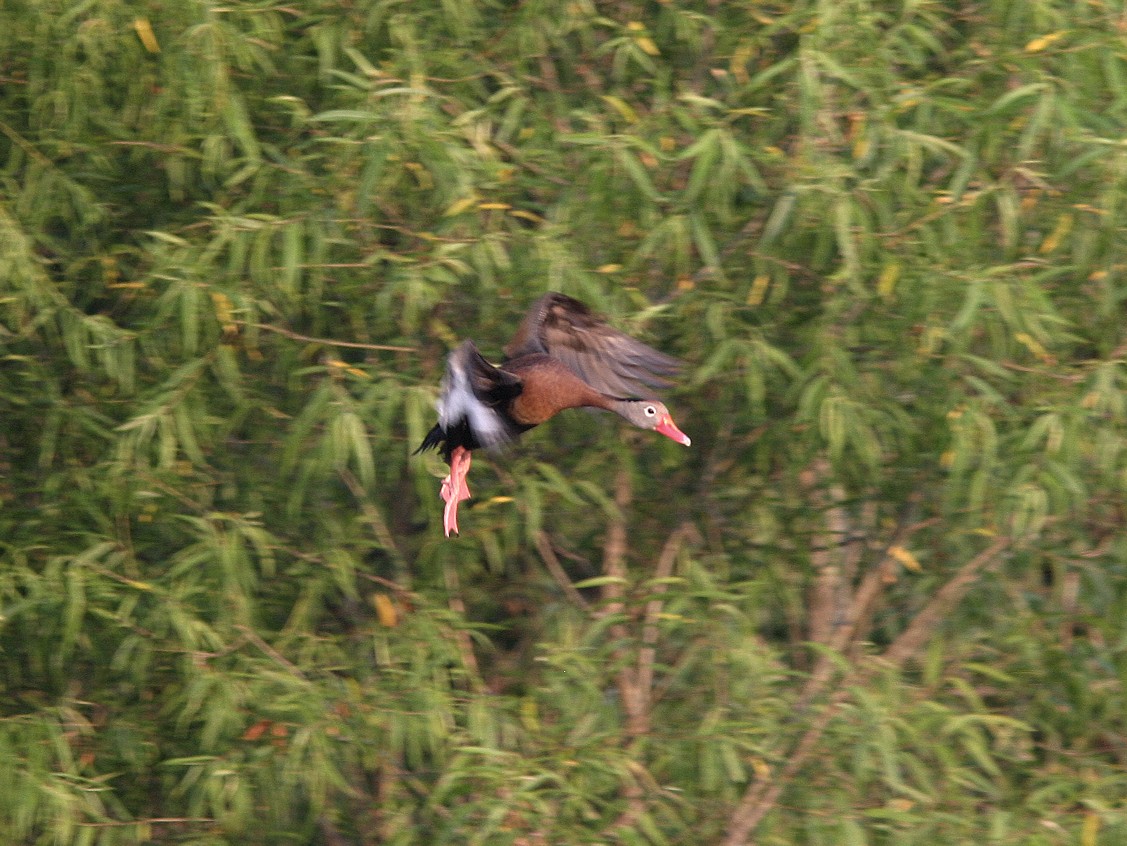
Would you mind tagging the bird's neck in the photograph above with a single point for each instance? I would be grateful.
(621, 407)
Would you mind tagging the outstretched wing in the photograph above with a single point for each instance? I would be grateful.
(609, 361)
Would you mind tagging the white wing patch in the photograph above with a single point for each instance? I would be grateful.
(457, 402)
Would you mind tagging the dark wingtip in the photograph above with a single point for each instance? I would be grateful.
(433, 440)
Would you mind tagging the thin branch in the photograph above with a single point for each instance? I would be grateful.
(461, 636)
(150, 145)
(395, 587)
(829, 597)
(923, 625)
(648, 652)
(614, 546)
(375, 518)
(515, 154)
(296, 336)
(552, 562)
(860, 610)
(614, 551)
(253, 637)
(147, 821)
(614, 564)
(871, 590)
(762, 796)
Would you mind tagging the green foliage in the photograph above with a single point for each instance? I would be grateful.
(882, 599)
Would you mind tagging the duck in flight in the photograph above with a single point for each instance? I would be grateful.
(562, 356)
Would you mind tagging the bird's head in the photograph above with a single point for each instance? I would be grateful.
(651, 414)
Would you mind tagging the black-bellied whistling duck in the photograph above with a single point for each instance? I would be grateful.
(562, 356)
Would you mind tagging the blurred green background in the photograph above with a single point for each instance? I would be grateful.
(882, 599)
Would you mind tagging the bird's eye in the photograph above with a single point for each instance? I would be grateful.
(650, 411)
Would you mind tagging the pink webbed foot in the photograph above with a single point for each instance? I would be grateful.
(454, 488)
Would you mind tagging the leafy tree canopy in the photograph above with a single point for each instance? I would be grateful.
(882, 599)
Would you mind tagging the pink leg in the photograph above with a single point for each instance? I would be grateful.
(454, 488)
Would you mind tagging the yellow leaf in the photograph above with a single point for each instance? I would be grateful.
(492, 501)
(529, 714)
(1034, 346)
(224, 312)
(459, 206)
(1059, 233)
(622, 107)
(494, 206)
(739, 61)
(758, 289)
(647, 45)
(385, 610)
(421, 174)
(609, 268)
(144, 31)
(906, 559)
(1039, 44)
(527, 215)
(1090, 829)
(886, 284)
(947, 459)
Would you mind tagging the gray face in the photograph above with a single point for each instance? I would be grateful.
(651, 414)
(646, 414)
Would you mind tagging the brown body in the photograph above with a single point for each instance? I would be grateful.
(549, 388)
